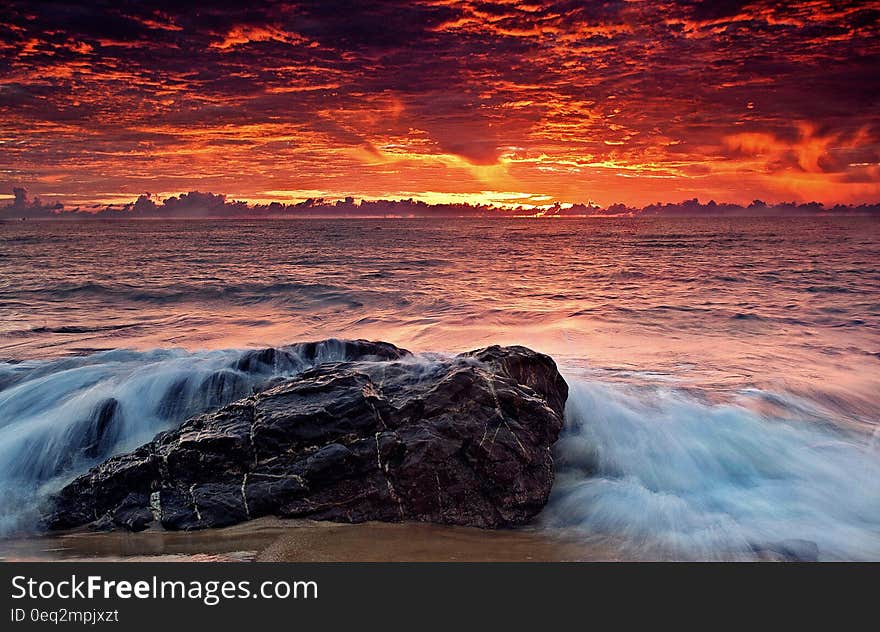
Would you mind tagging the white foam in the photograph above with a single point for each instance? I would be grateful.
(676, 477)
(663, 473)
(50, 411)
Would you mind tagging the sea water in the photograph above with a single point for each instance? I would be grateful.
(723, 372)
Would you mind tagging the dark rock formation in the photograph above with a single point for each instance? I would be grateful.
(462, 441)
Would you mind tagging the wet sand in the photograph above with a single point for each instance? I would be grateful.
(274, 540)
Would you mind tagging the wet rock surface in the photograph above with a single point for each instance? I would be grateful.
(464, 440)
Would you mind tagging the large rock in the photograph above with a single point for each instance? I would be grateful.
(464, 440)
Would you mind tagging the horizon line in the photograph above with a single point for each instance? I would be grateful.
(199, 204)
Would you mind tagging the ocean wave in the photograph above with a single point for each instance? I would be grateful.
(665, 473)
(58, 418)
(70, 329)
(674, 477)
(249, 293)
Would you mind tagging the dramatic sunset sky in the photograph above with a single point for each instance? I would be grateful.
(508, 101)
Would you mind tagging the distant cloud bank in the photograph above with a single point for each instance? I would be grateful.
(198, 204)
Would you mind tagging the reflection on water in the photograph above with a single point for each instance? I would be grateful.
(715, 301)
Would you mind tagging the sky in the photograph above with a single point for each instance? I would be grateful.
(505, 102)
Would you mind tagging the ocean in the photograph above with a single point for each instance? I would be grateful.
(724, 373)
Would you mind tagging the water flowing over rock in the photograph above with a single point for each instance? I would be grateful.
(464, 440)
(60, 417)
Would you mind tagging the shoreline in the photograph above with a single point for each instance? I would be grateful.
(293, 540)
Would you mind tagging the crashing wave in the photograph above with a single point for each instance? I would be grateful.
(58, 418)
(673, 477)
(662, 473)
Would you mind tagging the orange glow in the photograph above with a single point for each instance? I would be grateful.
(437, 100)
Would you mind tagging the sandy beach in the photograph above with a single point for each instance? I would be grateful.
(275, 540)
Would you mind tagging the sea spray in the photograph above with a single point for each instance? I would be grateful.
(666, 475)
(58, 418)
(674, 477)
